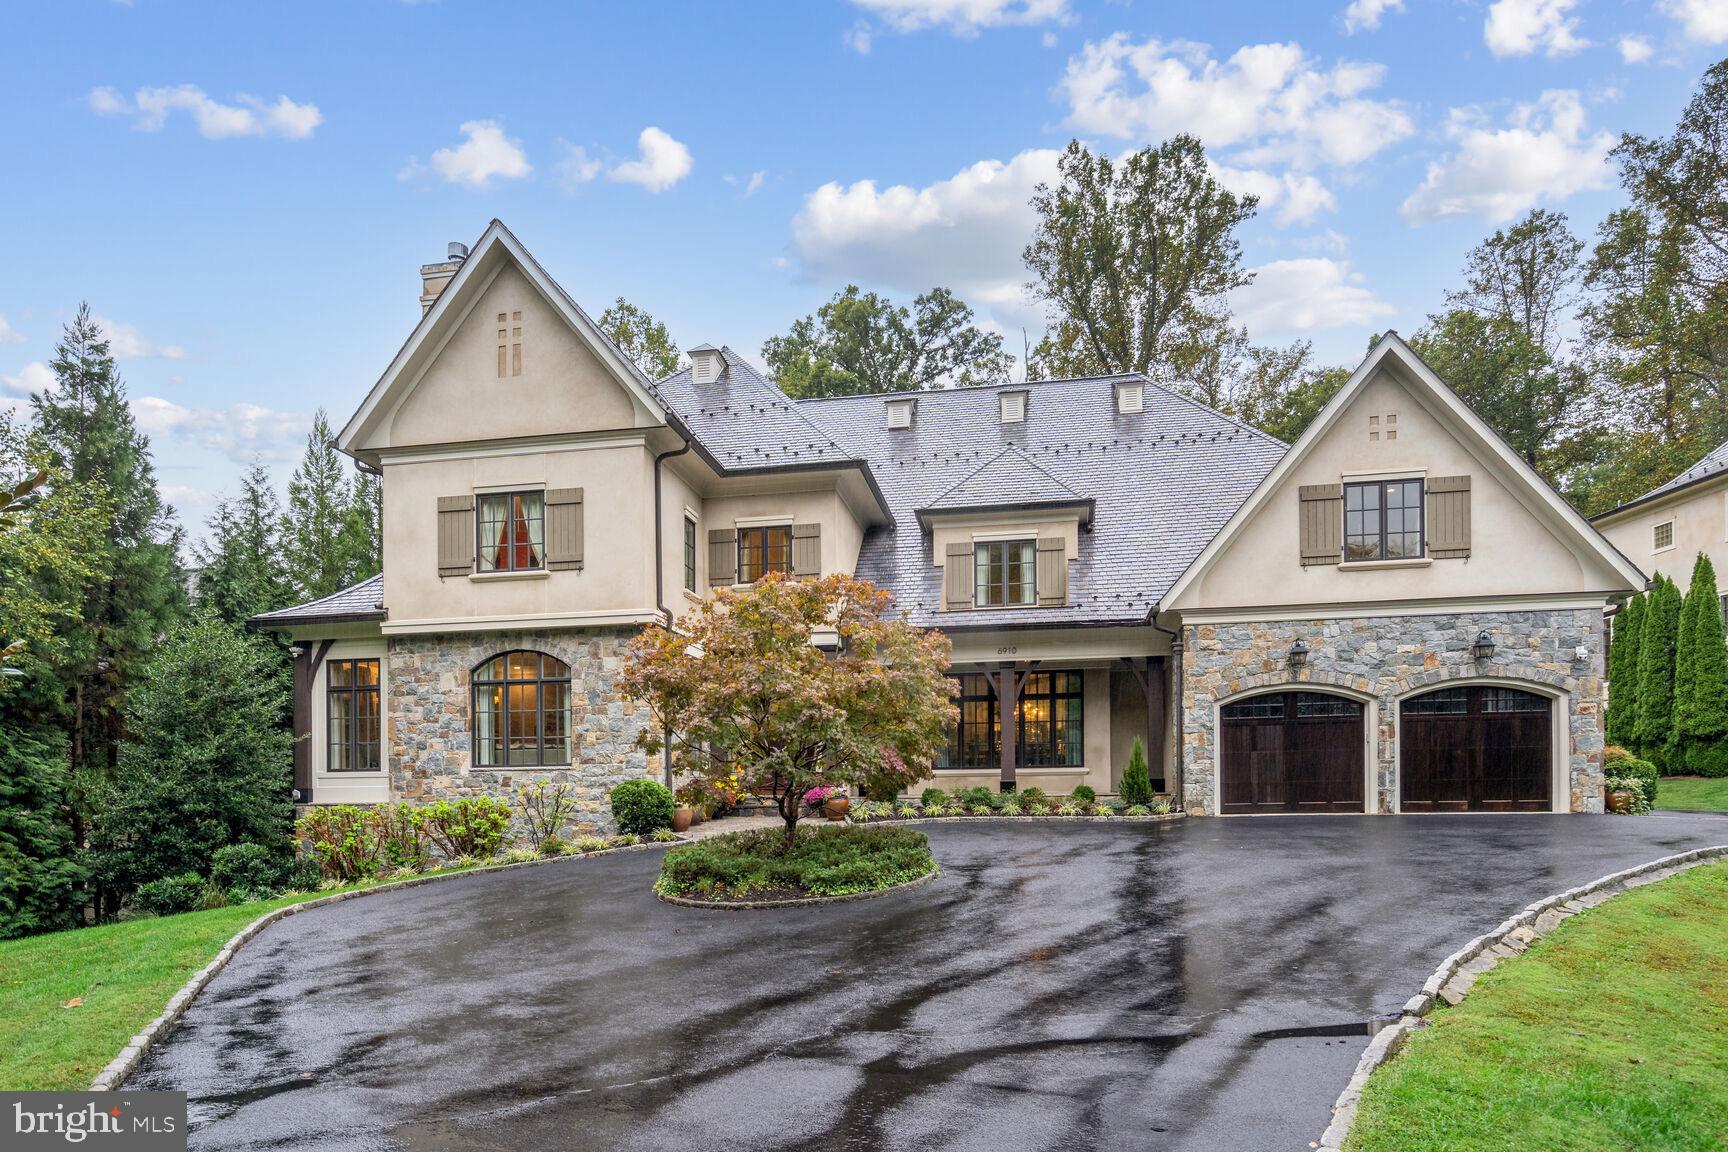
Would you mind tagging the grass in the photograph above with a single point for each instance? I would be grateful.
(832, 861)
(1609, 1034)
(1693, 793)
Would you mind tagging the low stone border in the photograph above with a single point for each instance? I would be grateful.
(1168, 816)
(122, 1065)
(1458, 972)
(799, 902)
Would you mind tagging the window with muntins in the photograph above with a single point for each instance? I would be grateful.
(522, 711)
(1050, 730)
(689, 554)
(763, 550)
(1663, 537)
(1006, 573)
(351, 713)
(1383, 520)
(512, 529)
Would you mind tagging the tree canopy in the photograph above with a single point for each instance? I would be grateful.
(644, 340)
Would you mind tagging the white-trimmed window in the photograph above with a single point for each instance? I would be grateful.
(353, 715)
(1662, 536)
(689, 553)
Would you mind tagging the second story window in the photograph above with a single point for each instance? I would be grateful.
(1383, 520)
(689, 554)
(1006, 572)
(509, 344)
(763, 550)
(1663, 535)
(512, 528)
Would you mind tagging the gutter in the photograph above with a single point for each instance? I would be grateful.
(1173, 718)
(660, 572)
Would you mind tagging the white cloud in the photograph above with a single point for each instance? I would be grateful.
(662, 162)
(1520, 27)
(1364, 15)
(9, 334)
(487, 154)
(858, 38)
(751, 184)
(241, 432)
(150, 109)
(1273, 102)
(1543, 154)
(127, 343)
(965, 17)
(1305, 295)
(965, 232)
(1635, 49)
(1297, 197)
(576, 167)
(34, 377)
(1705, 21)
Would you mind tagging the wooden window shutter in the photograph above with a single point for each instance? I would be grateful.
(806, 549)
(455, 535)
(1052, 573)
(1448, 517)
(722, 556)
(957, 588)
(564, 523)
(1322, 523)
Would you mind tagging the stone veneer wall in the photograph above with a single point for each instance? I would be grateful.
(429, 711)
(1388, 657)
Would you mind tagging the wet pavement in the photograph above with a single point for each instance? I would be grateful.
(1206, 984)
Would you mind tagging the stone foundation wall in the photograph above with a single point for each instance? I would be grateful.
(1389, 657)
(429, 712)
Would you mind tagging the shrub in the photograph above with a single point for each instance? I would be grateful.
(981, 810)
(248, 871)
(170, 894)
(545, 806)
(1634, 786)
(1640, 770)
(937, 810)
(1083, 794)
(212, 896)
(1136, 782)
(344, 841)
(831, 861)
(933, 798)
(628, 840)
(983, 796)
(1070, 810)
(1029, 799)
(1137, 810)
(1615, 752)
(304, 875)
(476, 826)
(400, 842)
(640, 806)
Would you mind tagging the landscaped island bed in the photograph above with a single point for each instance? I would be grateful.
(757, 867)
(1611, 1033)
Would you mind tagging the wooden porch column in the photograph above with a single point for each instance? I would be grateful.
(308, 659)
(1006, 681)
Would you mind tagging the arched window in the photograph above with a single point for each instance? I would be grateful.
(522, 711)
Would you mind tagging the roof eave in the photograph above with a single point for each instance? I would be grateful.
(1086, 507)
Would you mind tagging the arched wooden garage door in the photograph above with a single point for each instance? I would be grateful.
(1292, 752)
(1476, 748)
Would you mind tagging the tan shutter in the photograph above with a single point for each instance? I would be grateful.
(564, 522)
(1322, 523)
(1448, 517)
(722, 556)
(455, 535)
(1052, 573)
(806, 549)
(957, 578)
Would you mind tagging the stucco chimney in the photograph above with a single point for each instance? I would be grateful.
(434, 277)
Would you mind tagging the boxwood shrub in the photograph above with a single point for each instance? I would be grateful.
(640, 806)
(248, 871)
(170, 894)
(836, 860)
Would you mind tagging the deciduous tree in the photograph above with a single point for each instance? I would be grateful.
(644, 340)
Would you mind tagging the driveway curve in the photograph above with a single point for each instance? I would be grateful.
(1199, 985)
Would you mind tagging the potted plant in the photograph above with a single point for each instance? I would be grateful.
(831, 799)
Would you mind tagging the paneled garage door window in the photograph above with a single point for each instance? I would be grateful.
(1480, 748)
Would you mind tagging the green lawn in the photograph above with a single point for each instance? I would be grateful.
(1609, 1034)
(1693, 793)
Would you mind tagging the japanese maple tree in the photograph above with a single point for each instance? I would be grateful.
(739, 686)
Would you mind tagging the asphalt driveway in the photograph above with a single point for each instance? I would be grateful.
(1199, 985)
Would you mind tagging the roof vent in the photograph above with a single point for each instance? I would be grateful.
(456, 251)
(1130, 396)
(1013, 407)
(706, 364)
(900, 410)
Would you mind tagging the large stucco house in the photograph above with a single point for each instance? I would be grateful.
(1393, 614)
(1665, 529)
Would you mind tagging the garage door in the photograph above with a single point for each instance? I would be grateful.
(1292, 752)
(1477, 749)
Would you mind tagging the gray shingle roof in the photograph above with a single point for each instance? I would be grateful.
(1163, 482)
(1714, 462)
(1008, 479)
(362, 601)
(745, 422)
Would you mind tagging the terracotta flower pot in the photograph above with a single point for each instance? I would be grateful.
(1619, 802)
(837, 808)
(682, 816)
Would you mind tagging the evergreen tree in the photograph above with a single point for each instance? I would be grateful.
(1655, 728)
(135, 592)
(1701, 679)
(1623, 673)
(242, 571)
(362, 530)
(1136, 779)
(41, 879)
(320, 502)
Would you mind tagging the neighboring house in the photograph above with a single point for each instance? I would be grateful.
(1665, 529)
(1394, 614)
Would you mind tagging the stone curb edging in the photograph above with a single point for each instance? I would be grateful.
(122, 1065)
(896, 820)
(800, 902)
(1456, 974)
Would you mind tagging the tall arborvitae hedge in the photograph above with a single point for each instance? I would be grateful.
(1623, 673)
(1654, 732)
(1701, 679)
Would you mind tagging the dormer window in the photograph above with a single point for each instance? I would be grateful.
(900, 412)
(509, 344)
(1013, 407)
(706, 364)
(1130, 397)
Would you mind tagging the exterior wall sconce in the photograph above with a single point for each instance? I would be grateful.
(1483, 648)
(1298, 657)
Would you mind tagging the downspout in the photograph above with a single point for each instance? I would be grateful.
(660, 582)
(1174, 715)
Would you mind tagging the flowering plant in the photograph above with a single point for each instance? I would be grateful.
(823, 793)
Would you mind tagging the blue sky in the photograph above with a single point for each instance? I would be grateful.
(244, 193)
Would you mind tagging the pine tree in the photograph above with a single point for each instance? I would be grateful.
(86, 424)
(1701, 698)
(1655, 729)
(242, 571)
(320, 502)
(1136, 780)
(1623, 673)
(362, 528)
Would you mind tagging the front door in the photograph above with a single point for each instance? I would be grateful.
(1292, 752)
